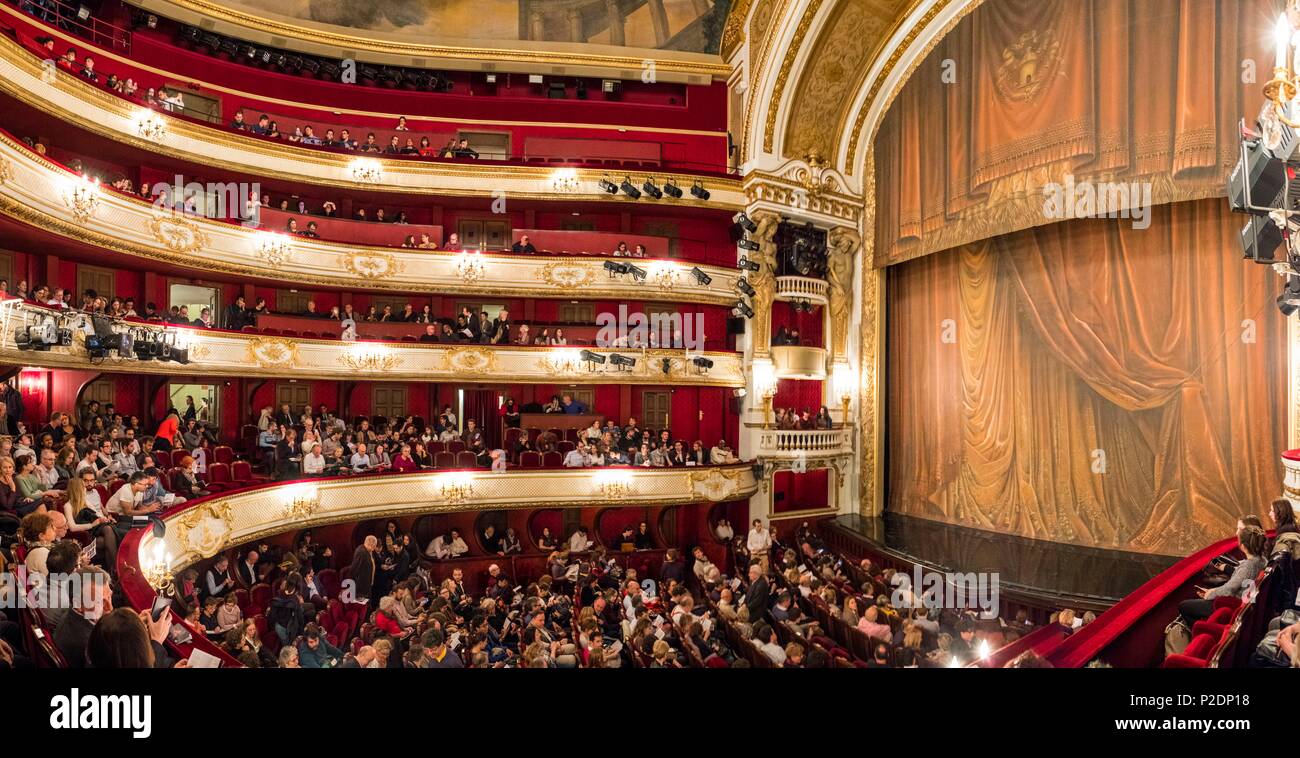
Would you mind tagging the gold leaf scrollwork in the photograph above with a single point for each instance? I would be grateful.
(474, 361)
(177, 234)
(715, 484)
(372, 265)
(272, 352)
(6, 171)
(566, 276)
(204, 530)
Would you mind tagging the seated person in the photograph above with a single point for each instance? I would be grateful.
(523, 246)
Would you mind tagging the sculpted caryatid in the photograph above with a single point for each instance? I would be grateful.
(764, 280)
(841, 245)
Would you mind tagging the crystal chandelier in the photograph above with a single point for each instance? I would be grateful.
(274, 248)
(150, 125)
(469, 266)
(1282, 89)
(366, 171)
(564, 181)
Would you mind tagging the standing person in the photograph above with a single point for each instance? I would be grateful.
(759, 544)
(363, 569)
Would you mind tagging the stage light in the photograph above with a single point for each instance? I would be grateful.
(591, 357)
(746, 222)
(697, 190)
(672, 190)
(622, 361)
(666, 365)
(702, 363)
(1289, 301)
(744, 286)
(630, 190)
(701, 278)
(638, 273)
(652, 190)
(745, 264)
(608, 186)
(614, 268)
(1260, 239)
(747, 244)
(744, 309)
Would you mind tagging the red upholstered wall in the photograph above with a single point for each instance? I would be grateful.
(797, 492)
(799, 394)
(808, 324)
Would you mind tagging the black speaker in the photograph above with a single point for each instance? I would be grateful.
(735, 325)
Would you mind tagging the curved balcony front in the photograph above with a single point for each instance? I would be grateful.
(68, 98)
(202, 528)
(45, 196)
(804, 444)
(225, 353)
(797, 362)
(794, 288)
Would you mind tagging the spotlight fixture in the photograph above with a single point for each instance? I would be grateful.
(629, 189)
(746, 222)
(747, 244)
(745, 264)
(697, 190)
(608, 186)
(591, 357)
(744, 286)
(672, 190)
(744, 309)
(701, 278)
(667, 365)
(622, 361)
(651, 189)
(1289, 301)
(614, 268)
(40, 336)
(638, 273)
(702, 363)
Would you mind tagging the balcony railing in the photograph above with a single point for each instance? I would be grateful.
(781, 443)
(798, 362)
(801, 288)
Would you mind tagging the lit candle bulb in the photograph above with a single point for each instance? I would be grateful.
(1282, 37)
(984, 649)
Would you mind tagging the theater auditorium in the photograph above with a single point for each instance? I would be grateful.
(650, 334)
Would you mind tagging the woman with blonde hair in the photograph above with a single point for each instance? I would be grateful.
(87, 515)
(383, 649)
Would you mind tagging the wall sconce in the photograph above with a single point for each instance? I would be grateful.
(370, 358)
(564, 181)
(273, 248)
(564, 361)
(765, 384)
(456, 488)
(81, 195)
(663, 274)
(469, 266)
(150, 125)
(614, 485)
(158, 572)
(302, 503)
(842, 381)
(366, 171)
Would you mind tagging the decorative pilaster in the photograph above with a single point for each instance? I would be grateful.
(842, 247)
(871, 486)
(763, 281)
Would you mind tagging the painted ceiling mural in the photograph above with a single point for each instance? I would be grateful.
(692, 26)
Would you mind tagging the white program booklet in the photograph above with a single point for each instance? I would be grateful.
(202, 660)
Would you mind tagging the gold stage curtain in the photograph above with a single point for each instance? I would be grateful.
(1023, 92)
(1089, 382)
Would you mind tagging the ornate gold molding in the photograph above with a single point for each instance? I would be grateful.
(842, 245)
(763, 281)
(788, 191)
(871, 352)
(272, 352)
(203, 529)
(177, 234)
(783, 76)
(733, 33)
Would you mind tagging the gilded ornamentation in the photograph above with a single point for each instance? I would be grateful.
(370, 361)
(614, 489)
(1028, 64)
(469, 360)
(733, 33)
(813, 177)
(783, 76)
(199, 352)
(372, 265)
(715, 484)
(871, 348)
(177, 234)
(272, 352)
(764, 280)
(842, 244)
(6, 171)
(302, 506)
(204, 530)
(566, 276)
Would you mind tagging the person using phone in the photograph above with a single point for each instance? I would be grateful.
(1252, 542)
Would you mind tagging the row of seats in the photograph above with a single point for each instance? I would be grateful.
(1216, 639)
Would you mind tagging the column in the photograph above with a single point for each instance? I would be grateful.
(615, 19)
(659, 20)
(574, 17)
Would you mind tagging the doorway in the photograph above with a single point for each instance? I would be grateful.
(205, 398)
(194, 299)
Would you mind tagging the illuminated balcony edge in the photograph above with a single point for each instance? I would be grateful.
(87, 107)
(223, 353)
(790, 288)
(798, 362)
(812, 443)
(32, 191)
(202, 528)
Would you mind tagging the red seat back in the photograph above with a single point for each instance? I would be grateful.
(455, 446)
(162, 459)
(565, 447)
(444, 460)
(466, 459)
(219, 473)
(530, 459)
(552, 460)
(224, 454)
(241, 471)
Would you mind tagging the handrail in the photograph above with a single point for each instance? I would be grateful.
(66, 17)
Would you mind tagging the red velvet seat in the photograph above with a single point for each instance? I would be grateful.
(530, 459)
(270, 330)
(455, 446)
(444, 460)
(565, 447)
(552, 460)
(241, 474)
(219, 478)
(223, 454)
(512, 435)
(329, 582)
(466, 459)
(259, 597)
(162, 459)
(1196, 656)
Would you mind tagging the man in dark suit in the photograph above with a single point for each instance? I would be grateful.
(13, 400)
(247, 569)
(757, 596)
(93, 601)
(363, 569)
